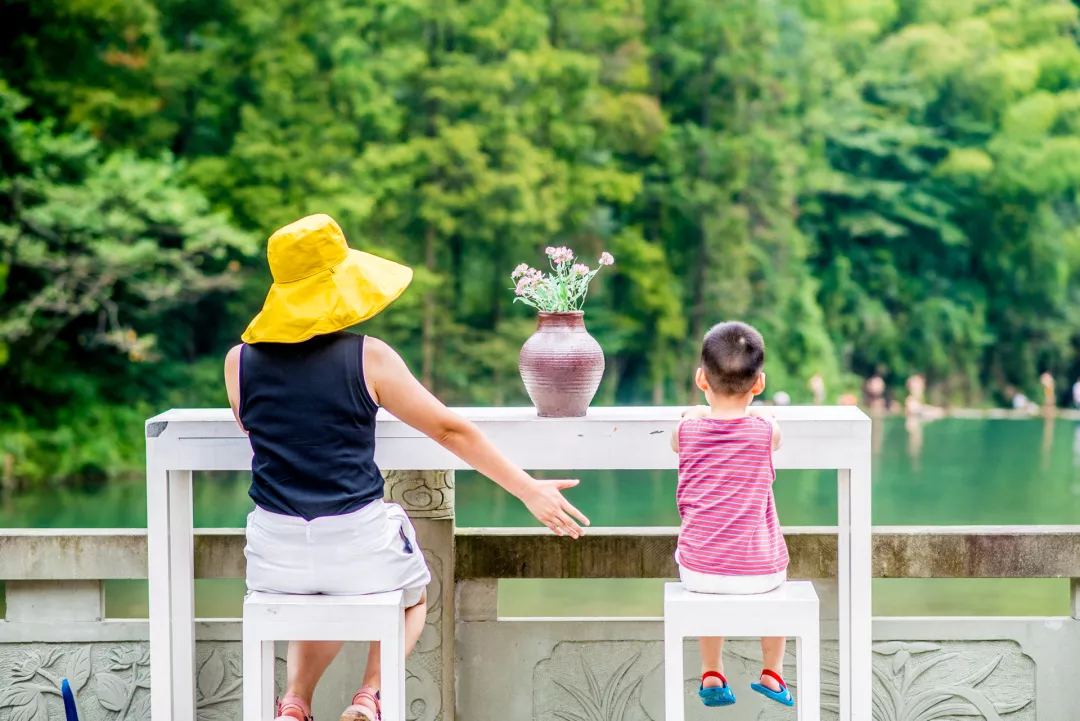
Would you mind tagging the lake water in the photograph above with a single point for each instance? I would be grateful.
(947, 472)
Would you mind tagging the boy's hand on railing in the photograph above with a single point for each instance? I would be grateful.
(759, 412)
(696, 412)
(545, 500)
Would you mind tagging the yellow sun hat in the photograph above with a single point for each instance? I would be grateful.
(321, 285)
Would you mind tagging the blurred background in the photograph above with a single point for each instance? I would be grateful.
(885, 188)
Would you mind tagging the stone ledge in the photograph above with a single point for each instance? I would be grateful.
(899, 552)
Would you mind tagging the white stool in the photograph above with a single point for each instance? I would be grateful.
(791, 610)
(270, 617)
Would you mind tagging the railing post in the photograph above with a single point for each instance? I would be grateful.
(1074, 594)
(55, 601)
(428, 498)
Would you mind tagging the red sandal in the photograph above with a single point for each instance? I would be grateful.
(360, 711)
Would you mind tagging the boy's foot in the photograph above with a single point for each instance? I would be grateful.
(293, 708)
(714, 690)
(365, 706)
(770, 683)
(772, 686)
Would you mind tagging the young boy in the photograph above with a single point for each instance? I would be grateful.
(730, 541)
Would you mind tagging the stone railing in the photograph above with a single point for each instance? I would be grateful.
(474, 665)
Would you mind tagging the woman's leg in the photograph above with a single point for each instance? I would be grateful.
(415, 618)
(307, 663)
(712, 659)
(772, 655)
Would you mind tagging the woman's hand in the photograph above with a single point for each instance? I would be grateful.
(545, 500)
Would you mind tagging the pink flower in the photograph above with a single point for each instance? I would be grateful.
(520, 271)
(560, 255)
(530, 279)
(606, 258)
(581, 269)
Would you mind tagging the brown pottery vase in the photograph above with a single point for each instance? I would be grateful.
(561, 365)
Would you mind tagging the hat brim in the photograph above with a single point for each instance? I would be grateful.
(354, 290)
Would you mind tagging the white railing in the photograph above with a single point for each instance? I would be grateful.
(182, 441)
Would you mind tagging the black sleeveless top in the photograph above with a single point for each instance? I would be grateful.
(311, 422)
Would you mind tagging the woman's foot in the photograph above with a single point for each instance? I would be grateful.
(293, 708)
(365, 706)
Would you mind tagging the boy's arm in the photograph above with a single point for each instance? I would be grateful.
(777, 436)
(688, 414)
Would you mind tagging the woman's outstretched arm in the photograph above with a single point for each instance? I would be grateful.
(395, 388)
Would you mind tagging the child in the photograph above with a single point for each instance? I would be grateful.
(730, 541)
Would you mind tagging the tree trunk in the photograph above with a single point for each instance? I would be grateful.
(427, 329)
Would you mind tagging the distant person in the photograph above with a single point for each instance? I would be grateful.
(1020, 401)
(306, 392)
(848, 399)
(875, 394)
(914, 405)
(817, 388)
(730, 540)
(916, 388)
(1049, 398)
(781, 398)
(1076, 394)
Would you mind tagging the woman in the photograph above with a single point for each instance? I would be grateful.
(306, 393)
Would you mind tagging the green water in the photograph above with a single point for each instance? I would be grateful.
(948, 472)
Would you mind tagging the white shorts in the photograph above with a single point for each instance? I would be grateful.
(373, 550)
(730, 585)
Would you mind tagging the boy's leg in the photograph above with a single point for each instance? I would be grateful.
(307, 663)
(772, 655)
(712, 659)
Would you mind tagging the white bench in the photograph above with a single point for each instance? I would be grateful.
(791, 610)
(270, 617)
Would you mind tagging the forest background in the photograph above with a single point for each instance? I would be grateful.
(880, 186)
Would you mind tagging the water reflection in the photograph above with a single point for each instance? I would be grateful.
(1047, 441)
(945, 472)
(914, 427)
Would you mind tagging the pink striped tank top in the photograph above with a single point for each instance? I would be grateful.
(725, 497)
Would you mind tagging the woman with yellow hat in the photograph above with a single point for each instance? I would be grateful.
(306, 392)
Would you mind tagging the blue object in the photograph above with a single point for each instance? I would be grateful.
(783, 696)
(717, 696)
(69, 701)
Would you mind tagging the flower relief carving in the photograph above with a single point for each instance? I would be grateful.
(218, 687)
(596, 681)
(36, 681)
(928, 682)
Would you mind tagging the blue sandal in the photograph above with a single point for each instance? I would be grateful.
(783, 696)
(716, 695)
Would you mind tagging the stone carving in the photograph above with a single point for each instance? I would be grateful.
(218, 686)
(128, 677)
(111, 681)
(36, 680)
(423, 683)
(423, 494)
(423, 692)
(595, 681)
(431, 636)
(932, 681)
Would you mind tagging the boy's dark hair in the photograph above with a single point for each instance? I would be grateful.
(732, 356)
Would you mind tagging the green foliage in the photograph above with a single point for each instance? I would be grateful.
(880, 186)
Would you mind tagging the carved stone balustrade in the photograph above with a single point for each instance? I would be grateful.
(998, 669)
